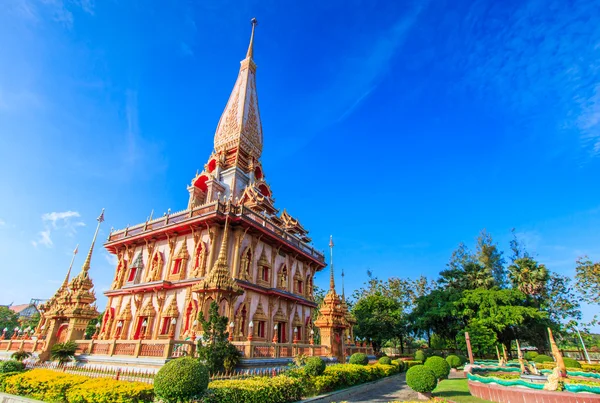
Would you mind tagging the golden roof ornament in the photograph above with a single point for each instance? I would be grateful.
(240, 126)
(219, 277)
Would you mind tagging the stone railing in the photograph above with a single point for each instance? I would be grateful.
(257, 349)
(211, 209)
(28, 345)
(137, 348)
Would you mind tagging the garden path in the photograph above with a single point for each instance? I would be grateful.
(391, 389)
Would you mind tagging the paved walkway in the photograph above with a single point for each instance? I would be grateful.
(388, 390)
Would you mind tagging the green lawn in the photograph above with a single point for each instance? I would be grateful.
(456, 390)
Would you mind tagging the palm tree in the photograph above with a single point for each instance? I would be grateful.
(20, 355)
(528, 276)
(63, 352)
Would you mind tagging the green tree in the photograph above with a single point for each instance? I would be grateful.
(32, 321)
(528, 276)
(436, 313)
(588, 279)
(8, 320)
(490, 257)
(90, 330)
(214, 347)
(379, 319)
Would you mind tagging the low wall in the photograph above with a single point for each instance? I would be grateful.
(516, 394)
(6, 398)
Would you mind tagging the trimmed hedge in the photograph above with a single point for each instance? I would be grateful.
(541, 358)
(420, 356)
(110, 390)
(314, 366)
(53, 386)
(182, 379)
(11, 366)
(412, 363)
(530, 355)
(359, 359)
(571, 362)
(279, 389)
(439, 366)
(454, 361)
(421, 379)
(385, 361)
(591, 368)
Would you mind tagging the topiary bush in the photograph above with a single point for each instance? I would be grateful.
(463, 359)
(11, 366)
(571, 363)
(541, 358)
(314, 366)
(454, 361)
(182, 379)
(420, 356)
(385, 361)
(110, 391)
(20, 355)
(439, 366)
(359, 359)
(421, 379)
(530, 355)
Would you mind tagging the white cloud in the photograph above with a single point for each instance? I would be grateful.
(43, 239)
(60, 221)
(111, 259)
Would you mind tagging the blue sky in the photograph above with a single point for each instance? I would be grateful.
(402, 128)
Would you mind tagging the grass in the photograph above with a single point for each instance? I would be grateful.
(456, 390)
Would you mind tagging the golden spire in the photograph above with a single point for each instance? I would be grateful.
(66, 282)
(331, 279)
(220, 277)
(86, 265)
(250, 52)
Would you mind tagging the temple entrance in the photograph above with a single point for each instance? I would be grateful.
(62, 333)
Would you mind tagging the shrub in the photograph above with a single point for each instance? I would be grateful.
(20, 355)
(4, 377)
(109, 390)
(314, 366)
(11, 366)
(181, 380)
(420, 356)
(412, 363)
(454, 361)
(387, 369)
(279, 389)
(530, 355)
(385, 361)
(63, 352)
(541, 358)
(400, 364)
(359, 359)
(43, 384)
(421, 379)
(439, 366)
(463, 359)
(571, 363)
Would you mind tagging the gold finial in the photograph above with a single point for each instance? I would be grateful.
(250, 52)
(66, 282)
(86, 265)
(331, 279)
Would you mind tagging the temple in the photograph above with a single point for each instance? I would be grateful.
(230, 245)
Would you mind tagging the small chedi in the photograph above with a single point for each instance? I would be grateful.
(230, 245)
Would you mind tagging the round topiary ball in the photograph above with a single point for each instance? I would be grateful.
(421, 379)
(530, 355)
(11, 366)
(571, 363)
(314, 366)
(359, 359)
(385, 361)
(541, 358)
(439, 366)
(454, 361)
(182, 379)
(420, 356)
